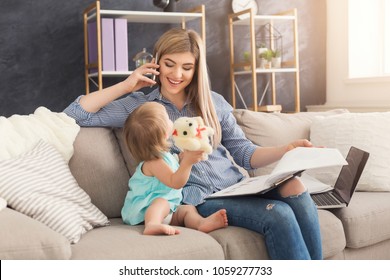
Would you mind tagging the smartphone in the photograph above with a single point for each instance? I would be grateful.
(155, 61)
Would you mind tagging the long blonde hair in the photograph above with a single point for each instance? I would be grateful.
(145, 132)
(179, 41)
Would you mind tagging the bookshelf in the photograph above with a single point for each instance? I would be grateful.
(94, 12)
(236, 66)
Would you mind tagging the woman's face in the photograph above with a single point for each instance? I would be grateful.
(176, 72)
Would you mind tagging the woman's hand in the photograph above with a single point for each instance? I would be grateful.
(138, 78)
(95, 101)
(299, 143)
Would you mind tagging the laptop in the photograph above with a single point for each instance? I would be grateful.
(346, 183)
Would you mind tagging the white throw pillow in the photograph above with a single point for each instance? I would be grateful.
(20, 133)
(39, 184)
(367, 131)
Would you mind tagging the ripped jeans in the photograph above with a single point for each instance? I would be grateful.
(289, 224)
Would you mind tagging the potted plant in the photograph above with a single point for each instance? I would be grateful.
(261, 48)
(276, 59)
(247, 58)
(266, 59)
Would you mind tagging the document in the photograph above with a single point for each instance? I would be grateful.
(292, 164)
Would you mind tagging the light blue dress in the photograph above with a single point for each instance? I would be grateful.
(144, 189)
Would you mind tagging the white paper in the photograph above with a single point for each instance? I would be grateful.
(313, 185)
(294, 161)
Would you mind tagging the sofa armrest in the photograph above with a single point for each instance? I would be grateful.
(22, 237)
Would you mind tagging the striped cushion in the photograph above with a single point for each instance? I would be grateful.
(39, 184)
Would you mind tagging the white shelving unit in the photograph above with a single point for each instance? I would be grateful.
(93, 12)
(236, 66)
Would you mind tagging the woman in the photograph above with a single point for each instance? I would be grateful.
(286, 216)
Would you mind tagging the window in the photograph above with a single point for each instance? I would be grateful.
(369, 38)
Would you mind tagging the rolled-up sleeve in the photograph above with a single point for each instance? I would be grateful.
(112, 115)
(75, 111)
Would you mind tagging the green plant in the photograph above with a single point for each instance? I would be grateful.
(247, 56)
(267, 55)
(275, 53)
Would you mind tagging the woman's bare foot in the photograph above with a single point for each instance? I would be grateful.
(214, 221)
(157, 229)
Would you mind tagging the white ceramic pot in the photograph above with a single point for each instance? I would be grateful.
(276, 62)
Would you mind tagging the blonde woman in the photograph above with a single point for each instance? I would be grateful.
(290, 227)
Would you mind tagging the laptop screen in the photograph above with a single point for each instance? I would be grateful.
(350, 174)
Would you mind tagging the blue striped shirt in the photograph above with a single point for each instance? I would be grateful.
(207, 177)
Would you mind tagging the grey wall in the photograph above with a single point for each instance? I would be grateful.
(41, 49)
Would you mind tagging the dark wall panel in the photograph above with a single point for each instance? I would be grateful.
(41, 49)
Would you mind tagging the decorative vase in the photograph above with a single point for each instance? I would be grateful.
(142, 57)
(260, 61)
(276, 62)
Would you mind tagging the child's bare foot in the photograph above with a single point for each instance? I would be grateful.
(214, 221)
(157, 229)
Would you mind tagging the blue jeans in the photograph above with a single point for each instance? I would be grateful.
(289, 224)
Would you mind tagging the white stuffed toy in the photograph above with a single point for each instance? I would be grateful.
(191, 134)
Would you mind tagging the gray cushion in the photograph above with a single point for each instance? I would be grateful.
(99, 168)
(366, 220)
(239, 243)
(332, 234)
(378, 251)
(273, 129)
(120, 241)
(129, 159)
(25, 238)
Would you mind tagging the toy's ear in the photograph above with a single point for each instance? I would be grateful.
(199, 120)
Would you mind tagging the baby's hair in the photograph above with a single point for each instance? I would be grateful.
(145, 132)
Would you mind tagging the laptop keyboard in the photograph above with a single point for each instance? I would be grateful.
(325, 199)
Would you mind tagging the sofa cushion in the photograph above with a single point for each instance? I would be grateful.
(272, 129)
(25, 238)
(99, 168)
(366, 220)
(332, 234)
(40, 185)
(131, 164)
(367, 131)
(377, 251)
(239, 243)
(120, 241)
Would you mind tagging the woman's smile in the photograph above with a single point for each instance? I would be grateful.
(174, 82)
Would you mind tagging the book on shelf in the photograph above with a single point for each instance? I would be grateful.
(121, 42)
(108, 48)
(292, 164)
(270, 108)
(114, 44)
(92, 45)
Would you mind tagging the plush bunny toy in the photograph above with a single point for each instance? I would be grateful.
(191, 134)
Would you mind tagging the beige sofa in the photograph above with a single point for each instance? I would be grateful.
(361, 231)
